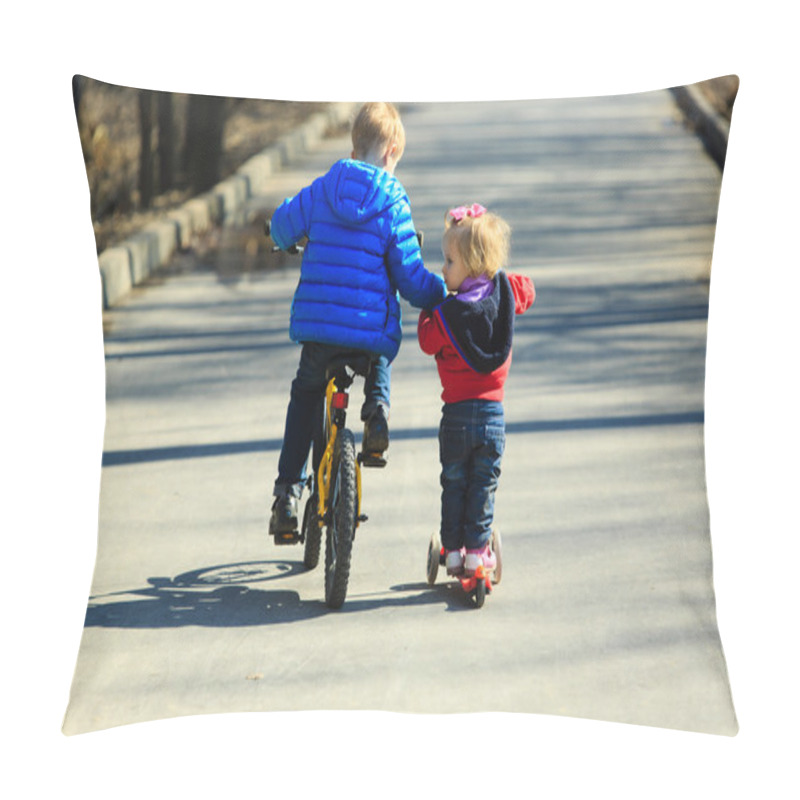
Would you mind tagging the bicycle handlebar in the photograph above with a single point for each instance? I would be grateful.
(293, 249)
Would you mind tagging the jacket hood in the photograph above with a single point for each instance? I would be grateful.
(357, 191)
(482, 332)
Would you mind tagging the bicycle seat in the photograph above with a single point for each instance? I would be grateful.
(360, 363)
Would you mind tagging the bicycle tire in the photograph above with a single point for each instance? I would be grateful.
(340, 531)
(312, 533)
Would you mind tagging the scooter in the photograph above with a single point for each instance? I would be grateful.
(477, 585)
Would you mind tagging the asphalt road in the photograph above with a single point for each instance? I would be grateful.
(605, 610)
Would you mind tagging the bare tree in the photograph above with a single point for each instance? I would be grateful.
(77, 93)
(146, 160)
(205, 123)
(166, 142)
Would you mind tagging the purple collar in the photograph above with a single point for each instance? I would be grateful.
(474, 289)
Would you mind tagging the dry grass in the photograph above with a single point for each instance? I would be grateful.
(108, 124)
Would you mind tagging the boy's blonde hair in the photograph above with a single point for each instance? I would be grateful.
(483, 239)
(377, 126)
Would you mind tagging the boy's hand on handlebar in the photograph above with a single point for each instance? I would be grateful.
(293, 249)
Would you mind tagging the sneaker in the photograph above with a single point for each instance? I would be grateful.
(376, 437)
(480, 557)
(376, 431)
(454, 562)
(283, 521)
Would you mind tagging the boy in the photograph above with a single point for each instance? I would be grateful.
(362, 250)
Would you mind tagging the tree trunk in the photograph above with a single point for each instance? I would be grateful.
(146, 149)
(166, 143)
(77, 93)
(204, 129)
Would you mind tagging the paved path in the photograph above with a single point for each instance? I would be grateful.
(604, 610)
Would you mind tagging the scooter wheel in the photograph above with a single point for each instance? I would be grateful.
(434, 549)
(497, 549)
(480, 592)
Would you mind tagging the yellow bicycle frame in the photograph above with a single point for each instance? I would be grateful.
(326, 462)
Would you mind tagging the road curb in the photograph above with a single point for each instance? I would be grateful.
(140, 255)
(711, 127)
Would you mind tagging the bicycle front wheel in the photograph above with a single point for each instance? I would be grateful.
(341, 526)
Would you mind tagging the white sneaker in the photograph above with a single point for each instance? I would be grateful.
(478, 558)
(454, 562)
(472, 561)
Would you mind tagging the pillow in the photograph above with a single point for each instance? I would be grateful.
(606, 610)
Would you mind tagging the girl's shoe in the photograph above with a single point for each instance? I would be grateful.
(481, 557)
(454, 562)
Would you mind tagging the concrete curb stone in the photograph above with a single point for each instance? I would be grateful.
(115, 274)
(143, 253)
(143, 249)
(183, 224)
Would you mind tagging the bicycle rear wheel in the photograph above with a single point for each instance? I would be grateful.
(341, 526)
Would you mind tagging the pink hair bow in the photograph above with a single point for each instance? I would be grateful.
(475, 210)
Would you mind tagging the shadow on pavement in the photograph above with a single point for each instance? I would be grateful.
(223, 597)
(115, 458)
(423, 595)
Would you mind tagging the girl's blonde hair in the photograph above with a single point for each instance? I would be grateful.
(377, 126)
(483, 239)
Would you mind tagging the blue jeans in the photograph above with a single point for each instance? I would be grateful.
(472, 438)
(306, 403)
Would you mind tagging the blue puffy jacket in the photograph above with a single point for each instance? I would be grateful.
(362, 250)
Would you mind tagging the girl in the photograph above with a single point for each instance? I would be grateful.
(470, 335)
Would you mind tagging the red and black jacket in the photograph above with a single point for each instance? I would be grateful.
(472, 341)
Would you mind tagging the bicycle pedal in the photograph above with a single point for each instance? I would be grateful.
(371, 459)
(287, 538)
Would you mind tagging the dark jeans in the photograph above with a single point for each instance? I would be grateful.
(471, 442)
(306, 402)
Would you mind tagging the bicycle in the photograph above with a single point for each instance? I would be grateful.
(334, 482)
